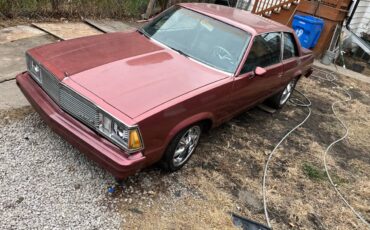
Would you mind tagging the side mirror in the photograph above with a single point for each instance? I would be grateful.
(259, 71)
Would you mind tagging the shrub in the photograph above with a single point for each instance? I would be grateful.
(72, 8)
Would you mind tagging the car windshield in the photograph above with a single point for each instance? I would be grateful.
(199, 37)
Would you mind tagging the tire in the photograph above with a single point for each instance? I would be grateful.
(278, 100)
(174, 158)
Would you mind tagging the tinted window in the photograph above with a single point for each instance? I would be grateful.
(290, 48)
(265, 51)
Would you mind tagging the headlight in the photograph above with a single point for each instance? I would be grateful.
(34, 68)
(128, 138)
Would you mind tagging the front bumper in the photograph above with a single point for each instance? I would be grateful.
(99, 149)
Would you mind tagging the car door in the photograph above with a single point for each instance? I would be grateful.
(291, 60)
(250, 89)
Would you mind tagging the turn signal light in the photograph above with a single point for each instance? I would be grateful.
(134, 141)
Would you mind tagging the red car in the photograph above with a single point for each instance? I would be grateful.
(129, 100)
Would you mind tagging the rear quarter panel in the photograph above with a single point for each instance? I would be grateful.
(307, 59)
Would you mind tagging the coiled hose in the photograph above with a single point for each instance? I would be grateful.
(330, 77)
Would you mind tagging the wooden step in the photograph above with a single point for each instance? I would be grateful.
(277, 10)
(267, 14)
(285, 16)
(267, 8)
(287, 6)
(296, 2)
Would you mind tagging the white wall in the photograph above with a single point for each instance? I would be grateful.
(361, 19)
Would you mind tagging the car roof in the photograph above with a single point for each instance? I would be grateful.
(242, 19)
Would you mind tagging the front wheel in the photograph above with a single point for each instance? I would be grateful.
(181, 148)
(278, 100)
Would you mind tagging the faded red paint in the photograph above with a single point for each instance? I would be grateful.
(140, 82)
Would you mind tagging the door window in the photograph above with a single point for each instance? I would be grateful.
(265, 51)
(290, 47)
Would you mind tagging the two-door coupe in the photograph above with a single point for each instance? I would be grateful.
(131, 99)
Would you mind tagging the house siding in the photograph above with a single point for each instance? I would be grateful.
(361, 19)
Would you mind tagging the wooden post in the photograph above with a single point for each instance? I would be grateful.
(256, 2)
(149, 9)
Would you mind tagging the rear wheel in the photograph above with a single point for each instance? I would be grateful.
(181, 148)
(279, 100)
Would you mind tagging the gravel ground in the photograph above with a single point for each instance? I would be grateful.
(46, 183)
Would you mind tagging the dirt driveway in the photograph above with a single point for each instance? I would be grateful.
(46, 182)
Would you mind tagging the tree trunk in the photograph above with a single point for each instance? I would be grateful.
(163, 4)
(55, 5)
(149, 9)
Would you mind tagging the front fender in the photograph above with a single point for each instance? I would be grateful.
(187, 122)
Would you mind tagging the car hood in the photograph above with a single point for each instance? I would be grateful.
(126, 70)
(73, 56)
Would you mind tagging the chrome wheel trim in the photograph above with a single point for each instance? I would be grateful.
(186, 145)
(287, 92)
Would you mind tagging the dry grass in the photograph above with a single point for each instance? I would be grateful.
(225, 173)
(11, 115)
(185, 210)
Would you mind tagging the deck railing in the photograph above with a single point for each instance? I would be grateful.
(264, 7)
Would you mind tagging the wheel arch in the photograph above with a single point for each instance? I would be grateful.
(297, 74)
(206, 118)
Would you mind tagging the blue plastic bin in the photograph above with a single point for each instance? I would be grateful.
(308, 29)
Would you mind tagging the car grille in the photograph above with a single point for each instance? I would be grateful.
(50, 85)
(78, 106)
(67, 99)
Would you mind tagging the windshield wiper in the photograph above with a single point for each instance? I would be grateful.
(141, 31)
(180, 51)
